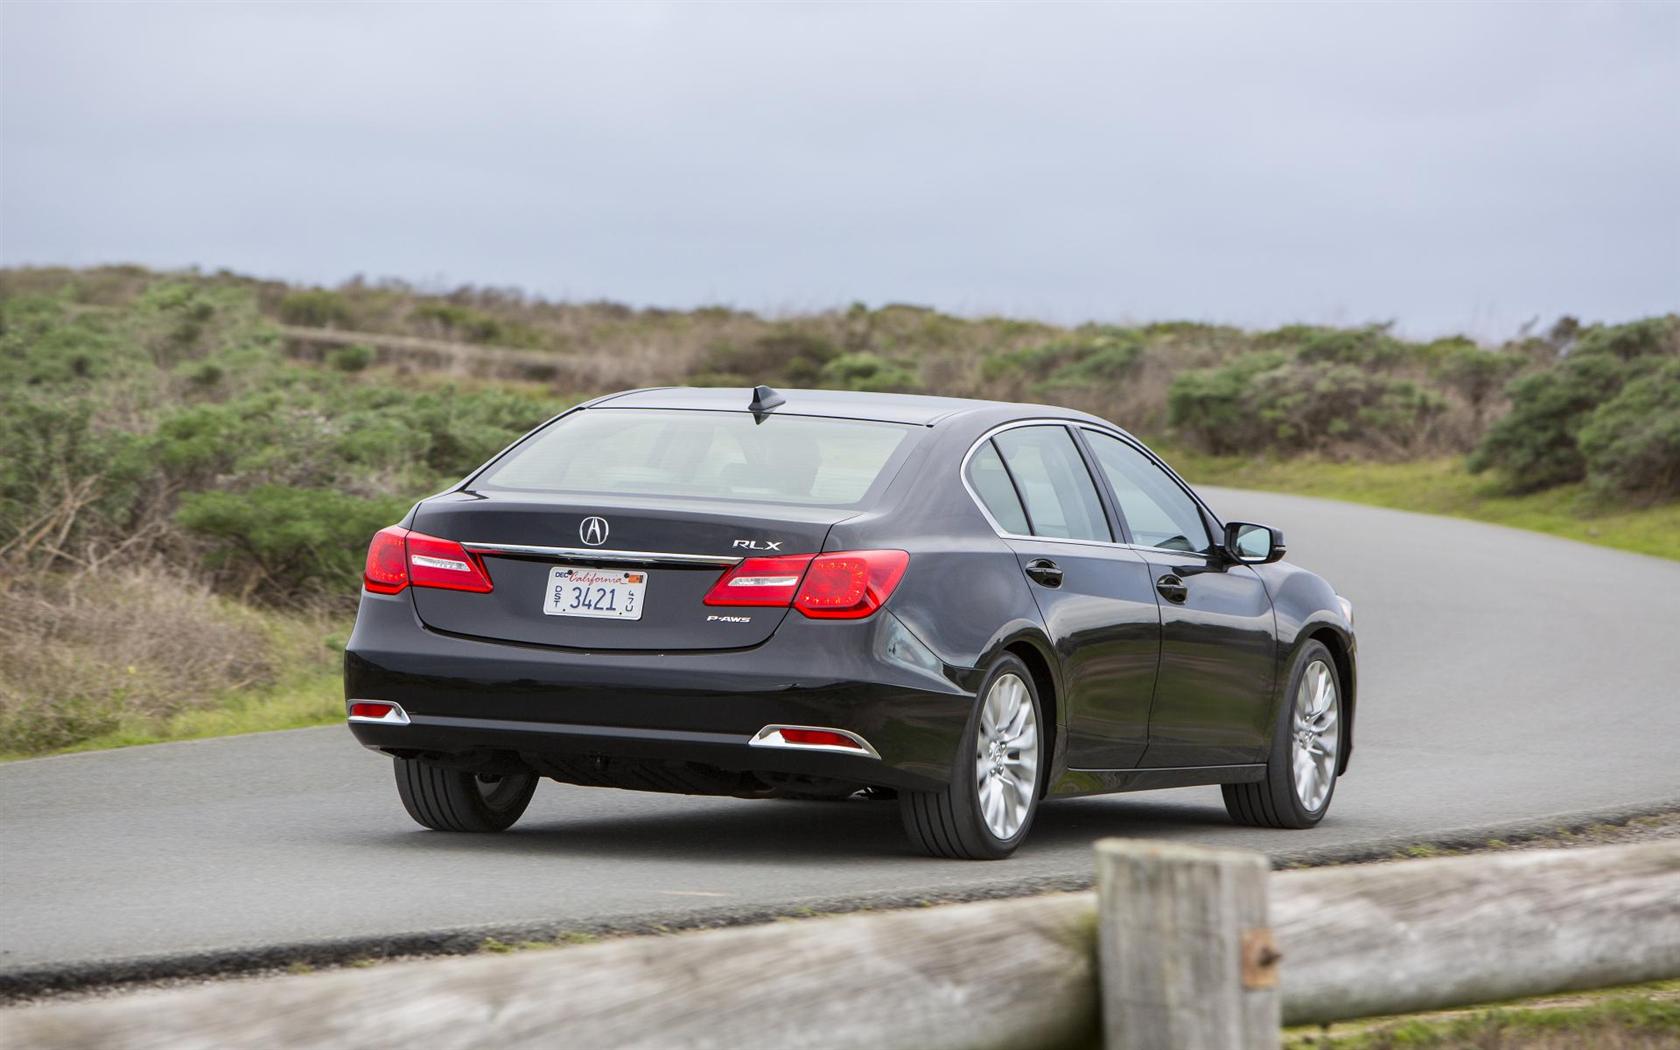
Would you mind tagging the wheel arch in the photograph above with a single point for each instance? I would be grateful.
(1341, 651)
(1029, 645)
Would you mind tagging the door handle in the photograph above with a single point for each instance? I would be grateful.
(1045, 571)
(1172, 588)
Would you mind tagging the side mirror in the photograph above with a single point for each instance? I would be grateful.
(1253, 544)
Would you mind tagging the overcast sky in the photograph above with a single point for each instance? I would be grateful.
(1447, 166)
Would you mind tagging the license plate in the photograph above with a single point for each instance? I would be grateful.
(577, 591)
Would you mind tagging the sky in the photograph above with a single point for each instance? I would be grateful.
(1446, 167)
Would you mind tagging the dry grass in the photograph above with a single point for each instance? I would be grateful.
(90, 653)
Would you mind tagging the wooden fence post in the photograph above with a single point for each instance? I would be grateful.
(1185, 948)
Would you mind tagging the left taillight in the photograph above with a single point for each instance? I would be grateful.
(400, 557)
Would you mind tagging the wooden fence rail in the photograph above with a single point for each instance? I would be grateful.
(1354, 941)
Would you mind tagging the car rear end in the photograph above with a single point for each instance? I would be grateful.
(646, 598)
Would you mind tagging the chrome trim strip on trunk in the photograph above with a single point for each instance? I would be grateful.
(722, 561)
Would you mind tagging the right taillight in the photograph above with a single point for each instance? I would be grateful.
(399, 557)
(843, 585)
(849, 585)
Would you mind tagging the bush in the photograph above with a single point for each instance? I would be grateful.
(67, 485)
(275, 544)
(1631, 443)
(351, 358)
(1258, 404)
(1538, 444)
(1099, 357)
(1372, 346)
(315, 308)
(1213, 406)
(865, 371)
(780, 359)
(1535, 444)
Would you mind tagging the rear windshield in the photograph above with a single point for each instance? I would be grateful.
(714, 455)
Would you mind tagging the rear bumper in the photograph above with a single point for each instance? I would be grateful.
(482, 702)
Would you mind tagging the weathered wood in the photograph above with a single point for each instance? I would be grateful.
(1390, 938)
(992, 974)
(1172, 921)
(1356, 941)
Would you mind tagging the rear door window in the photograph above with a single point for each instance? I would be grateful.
(712, 455)
(1060, 497)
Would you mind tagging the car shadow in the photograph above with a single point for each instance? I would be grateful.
(797, 832)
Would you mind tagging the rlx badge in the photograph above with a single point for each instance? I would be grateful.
(758, 545)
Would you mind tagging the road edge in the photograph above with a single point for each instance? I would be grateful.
(140, 971)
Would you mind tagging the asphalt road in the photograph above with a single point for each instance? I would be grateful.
(1505, 676)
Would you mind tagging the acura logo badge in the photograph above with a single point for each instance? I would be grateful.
(593, 531)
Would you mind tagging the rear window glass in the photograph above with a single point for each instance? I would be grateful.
(714, 455)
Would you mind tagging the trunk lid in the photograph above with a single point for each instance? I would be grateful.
(682, 546)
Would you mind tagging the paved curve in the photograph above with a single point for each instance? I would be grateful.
(1505, 675)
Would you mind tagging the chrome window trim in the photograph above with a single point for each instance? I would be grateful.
(613, 557)
(962, 473)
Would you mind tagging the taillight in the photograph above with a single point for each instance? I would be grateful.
(387, 562)
(399, 557)
(849, 585)
(761, 581)
(845, 585)
(445, 564)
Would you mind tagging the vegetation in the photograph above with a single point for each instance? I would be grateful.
(1443, 485)
(214, 450)
(1642, 1018)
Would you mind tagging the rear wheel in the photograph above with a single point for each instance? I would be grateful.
(985, 811)
(1301, 770)
(451, 800)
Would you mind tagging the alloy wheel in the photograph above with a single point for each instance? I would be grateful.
(1006, 756)
(1315, 737)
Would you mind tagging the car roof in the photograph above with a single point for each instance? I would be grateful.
(921, 409)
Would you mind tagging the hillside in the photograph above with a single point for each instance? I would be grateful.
(193, 463)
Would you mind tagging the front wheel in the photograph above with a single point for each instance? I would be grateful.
(1306, 743)
(451, 800)
(986, 809)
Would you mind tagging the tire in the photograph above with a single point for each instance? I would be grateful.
(1283, 799)
(954, 822)
(451, 800)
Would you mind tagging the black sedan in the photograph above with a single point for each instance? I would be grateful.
(966, 605)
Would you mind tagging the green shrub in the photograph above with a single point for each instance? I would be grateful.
(1372, 345)
(866, 371)
(1213, 406)
(1538, 443)
(351, 358)
(1631, 443)
(275, 543)
(1265, 402)
(1477, 374)
(1089, 356)
(780, 359)
(68, 486)
(315, 308)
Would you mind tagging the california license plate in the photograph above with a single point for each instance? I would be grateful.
(577, 591)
